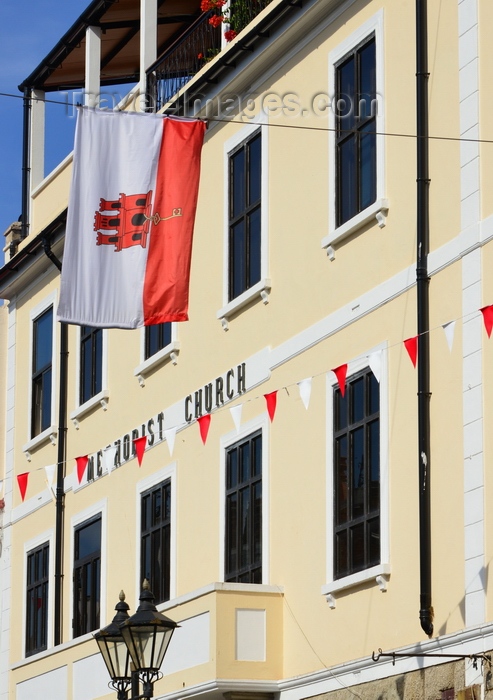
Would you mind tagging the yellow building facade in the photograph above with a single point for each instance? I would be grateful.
(289, 544)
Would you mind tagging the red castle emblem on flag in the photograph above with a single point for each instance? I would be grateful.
(128, 218)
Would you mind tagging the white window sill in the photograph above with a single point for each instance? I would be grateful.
(169, 351)
(100, 398)
(47, 435)
(260, 289)
(380, 573)
(378, 210)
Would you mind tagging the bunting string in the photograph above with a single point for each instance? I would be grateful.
(204, 422)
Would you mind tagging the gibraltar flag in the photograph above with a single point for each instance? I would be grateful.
(130, 219)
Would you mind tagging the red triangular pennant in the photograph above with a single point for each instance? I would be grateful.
(271, 400)
(487, 312)
(81, 466)
(140, 446)
(412, 348)
(22, 480)
(340, 373)
(204, 423)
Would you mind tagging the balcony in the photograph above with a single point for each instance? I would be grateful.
(198, 45)
(230, 638)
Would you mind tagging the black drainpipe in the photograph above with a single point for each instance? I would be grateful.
(422, 287)
(26, 161)
(61, 459)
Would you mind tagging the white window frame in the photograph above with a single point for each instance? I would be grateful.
(99, 508)
(168, 472)
(47, 537)
(380, 572)
(50, 432)
(379, 209)
(262, 288)
(169, 351)
(102, 397)
(259, 423)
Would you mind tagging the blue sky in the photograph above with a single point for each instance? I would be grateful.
(28, 31)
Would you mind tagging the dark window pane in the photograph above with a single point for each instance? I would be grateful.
(98, 362)
(254, 170)
(340, 410)
(88, 539)
(238, 191)
(347, 178)
(86, 372)
(157, 337)
(167, 504)
(346, 95)
(238, 259)
(232, 478)
(156, 575)
(45, 400)
(87, 577)
(41, 375)
(245, 514)
(368, 165)
(245, 176)
(146, 557)
(43, 349)
(374, 392)
(232, 532)
(166, 558)
(91, 364)
(146, 512)
(358, 473)
(155, 539)
(243, 546)
(257, 523)
(356, 126)
(254, 246)
(357, 390)
(257, 455)
(341, 565)
(341, 480)
(244, 451)
(156, 507)
(374, 466)
(358, 547)
(37, 600)
(152, 333)
(374, 542)
(368, 84)
(356, 476)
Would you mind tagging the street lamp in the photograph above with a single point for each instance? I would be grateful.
(135, 644)
(114, 650)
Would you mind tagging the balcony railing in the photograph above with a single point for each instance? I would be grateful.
(198, 45)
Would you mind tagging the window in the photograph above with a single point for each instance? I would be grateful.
(87, 576)
(42, 372)
(356, 475)
(243, 547)
(244, 244)
(37, 599)
(157, 337)
(156, 539)
(356, 118)
(91, 362)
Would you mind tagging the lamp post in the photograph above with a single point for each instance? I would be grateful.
(135, 645)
